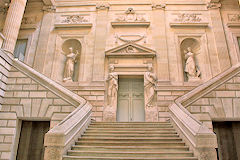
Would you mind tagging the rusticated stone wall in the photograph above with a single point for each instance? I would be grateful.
(25, 99)
(221, 104)
(5, 65)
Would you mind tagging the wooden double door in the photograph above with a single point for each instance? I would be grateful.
(131, 100)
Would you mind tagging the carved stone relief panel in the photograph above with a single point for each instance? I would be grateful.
(73, 20)
(188, 19)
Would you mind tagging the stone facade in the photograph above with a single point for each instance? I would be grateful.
(130, 37)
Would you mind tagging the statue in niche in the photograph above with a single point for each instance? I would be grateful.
(69, 65)
(191, 68)
(112, 86)
(149, 87)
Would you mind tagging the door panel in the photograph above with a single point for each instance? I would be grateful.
(228, 140)
(130, 100)
(31, 141)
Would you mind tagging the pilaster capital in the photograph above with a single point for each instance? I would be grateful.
(159, 6)
(102, 6)
(49, 8)
(214, 5)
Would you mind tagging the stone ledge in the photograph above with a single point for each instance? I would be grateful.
(188, 24)
(233, 24)
(130, 24)
(82, 25)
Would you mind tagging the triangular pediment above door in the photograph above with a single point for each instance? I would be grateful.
(130, 48)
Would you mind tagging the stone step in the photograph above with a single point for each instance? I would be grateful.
(126, 158)
(130, 148)
(93, 135)
(130, 125)
(130, 154)
(118, 123)
(158, 139)
(131, 129)
(131, 132)
(124, 143)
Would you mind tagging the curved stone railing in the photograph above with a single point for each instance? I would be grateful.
(202, 139)
(62, 136)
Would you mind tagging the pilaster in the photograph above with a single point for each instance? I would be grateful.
(219, 35)
(100, 41)
(160, 41)
(42, 46)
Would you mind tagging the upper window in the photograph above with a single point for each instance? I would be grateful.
(20, 49)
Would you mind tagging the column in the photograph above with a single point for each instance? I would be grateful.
(13, 23)
(160, 42)
(100, 42)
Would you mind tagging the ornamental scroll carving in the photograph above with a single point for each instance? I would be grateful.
(74, 19)
(188, 18)
(131, 16)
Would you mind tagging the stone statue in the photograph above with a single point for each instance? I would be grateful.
(149, 87)
(69, 65)
(112, 87)
(191, 69)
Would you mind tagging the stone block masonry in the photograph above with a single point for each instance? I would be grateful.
(25, 99)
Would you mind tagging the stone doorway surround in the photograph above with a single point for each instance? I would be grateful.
(129, 59)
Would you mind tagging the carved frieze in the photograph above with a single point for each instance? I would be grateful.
(234, 17)
(188, 20)
(233, 20)
(188, 17)
(76, 20)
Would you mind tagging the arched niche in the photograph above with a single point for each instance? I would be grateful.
(195, 47)
(72, 46)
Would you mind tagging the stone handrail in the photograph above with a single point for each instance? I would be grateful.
(62, 136)
(202, 139)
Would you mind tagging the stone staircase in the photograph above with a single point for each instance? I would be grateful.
(130, 140)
